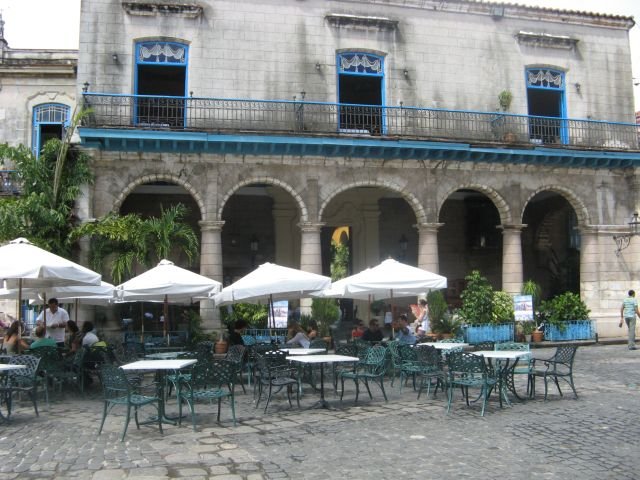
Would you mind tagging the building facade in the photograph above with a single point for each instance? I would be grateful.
(451, 135)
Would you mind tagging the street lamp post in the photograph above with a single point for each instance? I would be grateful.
(623, 241)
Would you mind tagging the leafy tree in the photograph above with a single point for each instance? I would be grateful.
(43, 212)
(128, 240)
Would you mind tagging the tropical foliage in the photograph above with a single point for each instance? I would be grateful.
(437, 309)
(339, 260)
(255, 315)
(325, 312)
(49, 187)
(128, 240)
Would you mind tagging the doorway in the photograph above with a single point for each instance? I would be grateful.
(161, 72)
(360, 82)
(545, 99)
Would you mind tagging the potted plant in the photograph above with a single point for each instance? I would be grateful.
(438, 308)
(448, 326)
(325, 312)
(504, 124)
(567, 318)
(527, 330)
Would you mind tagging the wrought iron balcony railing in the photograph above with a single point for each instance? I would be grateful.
(8, 186)
(303, 118)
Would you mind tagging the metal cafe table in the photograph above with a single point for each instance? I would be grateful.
(443, 345)
(303, 351)
(5, 390)
(321, 359)
(504, 369)
(160, 367)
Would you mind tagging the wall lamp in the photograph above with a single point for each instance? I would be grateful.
(253, 246)
(85, 87)
(623, 241)
(114, 57)
(405, 72)
(317, 66)
(404, 244)
(578, 87)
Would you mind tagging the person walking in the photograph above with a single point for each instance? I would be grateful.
(628, 312)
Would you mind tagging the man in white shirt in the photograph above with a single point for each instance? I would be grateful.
(57, 319)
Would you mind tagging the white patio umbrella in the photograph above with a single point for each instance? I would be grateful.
(271, 282)
(166, 282)
(390, 279)
(23, 265)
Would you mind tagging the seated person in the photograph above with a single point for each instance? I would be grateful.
(235, 334)
(373, 333)
(74, 338)
(13, 343)
(404, 333)
(89, 338)
(297, 337)
(312, 330)
(358, 330)
(41, 341)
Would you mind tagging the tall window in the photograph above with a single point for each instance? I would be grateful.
(361, 82)
(546, 99)
(49, 121)
(161, 71)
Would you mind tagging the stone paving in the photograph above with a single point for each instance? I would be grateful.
(594, 437)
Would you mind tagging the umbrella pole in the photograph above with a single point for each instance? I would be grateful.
(75, 310)
(142, 322)
(44, 309)
(20, 317)
(165, 312)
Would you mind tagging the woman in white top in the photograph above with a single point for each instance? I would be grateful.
(297, 336)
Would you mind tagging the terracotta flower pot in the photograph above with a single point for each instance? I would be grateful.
(221, 346)
(537, 336)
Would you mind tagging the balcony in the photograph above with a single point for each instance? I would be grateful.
(140, 117)
(303, 118)
(8, 186)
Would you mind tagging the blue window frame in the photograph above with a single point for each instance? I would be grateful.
(546, 99)
(361, 82)
(50, 120)
(161, 72)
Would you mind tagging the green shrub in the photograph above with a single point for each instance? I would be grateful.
(325, 312)
(255, 315)
(564, 308)
(437, 309)
(502, 308)
(477, 300)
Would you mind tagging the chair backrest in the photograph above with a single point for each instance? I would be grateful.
(375, 361)
(318, 343)
(349, 350)
(235, 354)
(464, 363)
(30, 362)
(48, 354)
(249, 340)
(565, 354)
(451, 340)
(114, 382)
(428, 356)
(483, 346)
(512, 346)
(394, 350)
(135, 348)
(204, 348)
(362, 348)
(407, 352)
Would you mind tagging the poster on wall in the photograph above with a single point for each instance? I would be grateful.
(280, 314)
(523, 308)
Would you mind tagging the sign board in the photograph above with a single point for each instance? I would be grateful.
(523, 308)
(281, 314)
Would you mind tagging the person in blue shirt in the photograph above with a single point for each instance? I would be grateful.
(628, 312)
(404, 333)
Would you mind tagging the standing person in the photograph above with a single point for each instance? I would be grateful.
(57, 319)
(423, 320)
(628, 312)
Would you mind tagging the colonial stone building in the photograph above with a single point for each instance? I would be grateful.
(452, 135)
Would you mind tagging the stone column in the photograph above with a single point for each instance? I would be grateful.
(512, 257)
(210, 266)
(428, 246)
(283, 218)
(310, 253)
(310, 256)
(590, 265)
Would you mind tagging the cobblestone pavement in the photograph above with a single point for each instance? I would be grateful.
(594, 437)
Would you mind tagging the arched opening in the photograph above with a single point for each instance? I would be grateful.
(551, 244)
(380, 225)
(260, 225)
(469, 240)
